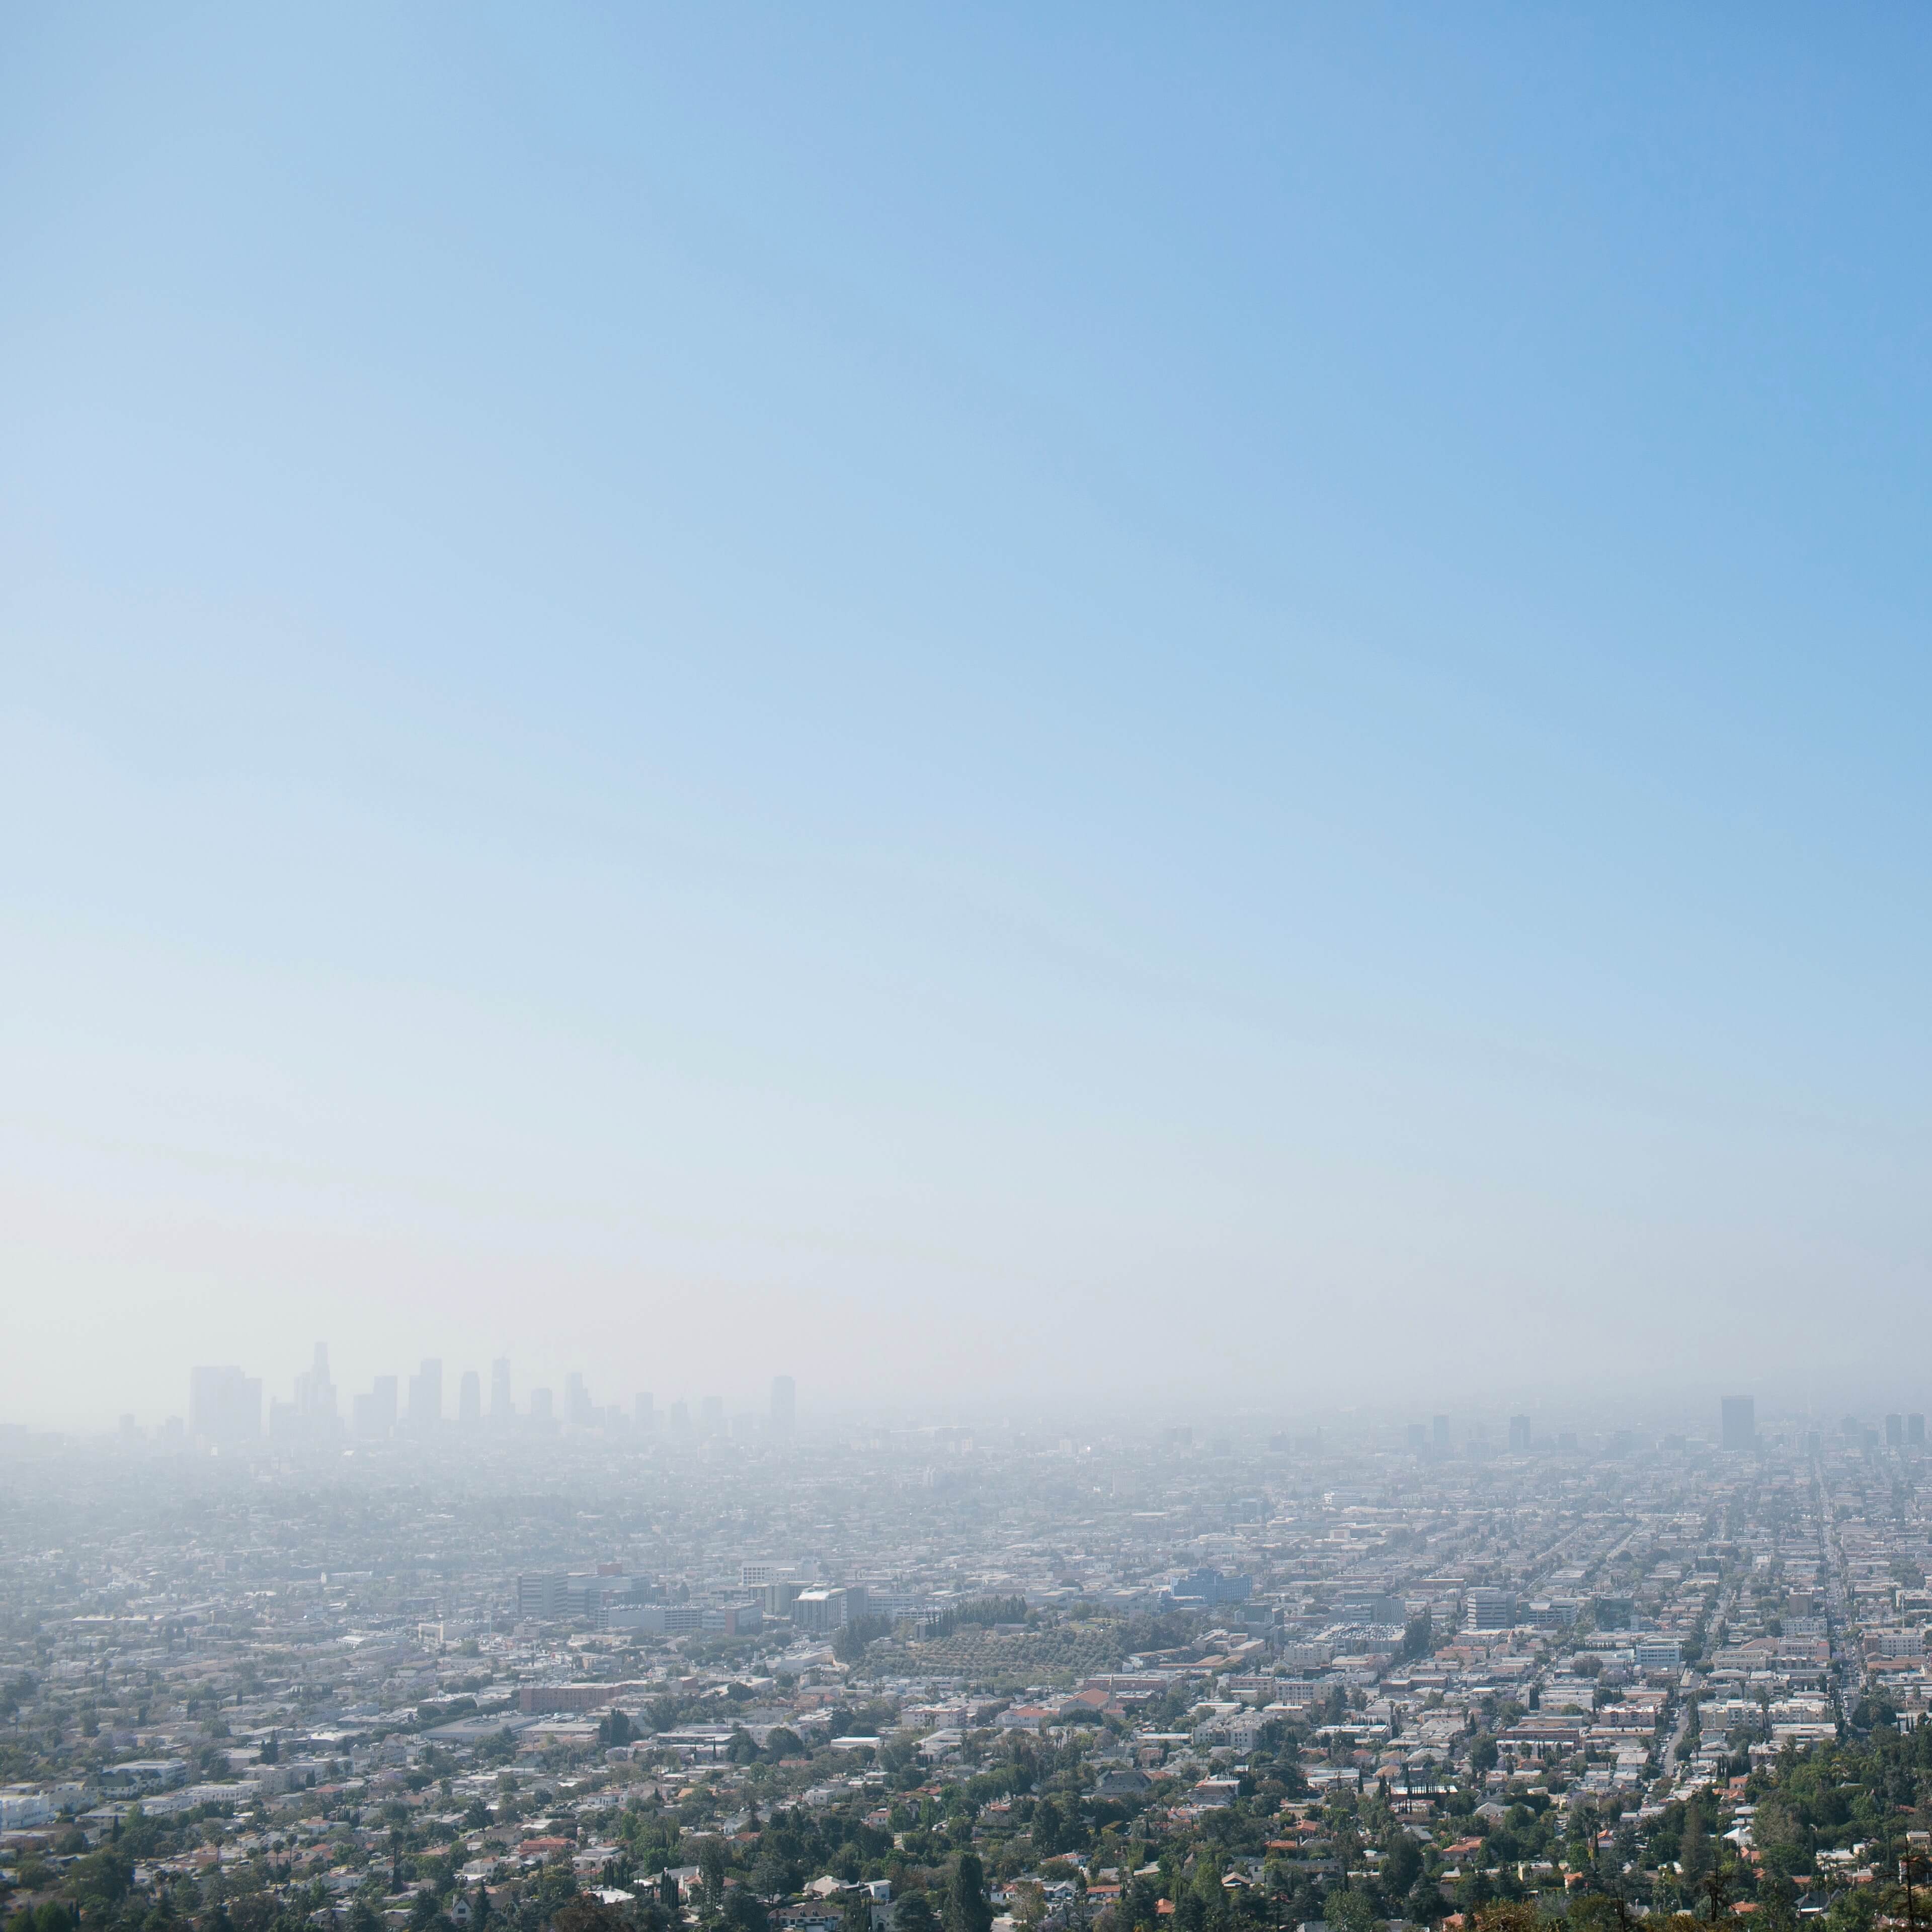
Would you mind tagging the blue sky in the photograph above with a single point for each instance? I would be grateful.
(919, 696)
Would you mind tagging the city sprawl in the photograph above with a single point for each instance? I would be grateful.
(601, 1667)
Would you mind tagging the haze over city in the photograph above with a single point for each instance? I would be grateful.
(964, 970)
(983, 709)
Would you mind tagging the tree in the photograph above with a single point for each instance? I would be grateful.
(745, 1913)
(1046, 1829)
(1425, 1903)
(967, 1908)
(711, 1871)
(1403, 1865)
(1694, 1848)
(588, 1915)
(1505, 1917)
(912, 1911)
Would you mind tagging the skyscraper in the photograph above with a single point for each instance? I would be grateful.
(711, 1415)
(311, 1416)
(469, 1402)
(315, 1392)
(578, 1411)
(1519, 1436)
(501, 1407)
(1740, 1422)
(224, 1406)
(376, 1412)
(426, 1395)
(1440, 1428)
(644, 1412)
(785, 1406)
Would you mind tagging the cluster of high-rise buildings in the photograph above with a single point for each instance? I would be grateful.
(225, 1408)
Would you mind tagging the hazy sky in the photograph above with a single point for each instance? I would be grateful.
(968, 701)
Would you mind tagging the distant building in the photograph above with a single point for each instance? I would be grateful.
(543, 1414)
(1488, 1609)
(311, 1416)
(540, 1598)
(426, 1395)
(1740, 1422)
(823, 1609)
(1209, 1587)
(375, 1413)
(1519, 1436)
(578, 1411)
(501, 1409)
(224, 1406)
(644, 1412)
(711, 1416)
(469, 1401)
(1440, 1429)
(1915, 1432)
(1418, 1436)
(664, 1619)
(784, 1407)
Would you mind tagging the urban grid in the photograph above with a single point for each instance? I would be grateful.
(368, 1663)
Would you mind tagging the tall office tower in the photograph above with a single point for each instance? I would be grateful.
(1519, 1436)
(1895, 1432)
(785, 1406)
(376, 1412)
(541, 1597)
(576, 1409)
(1915, 1432)
(541, 1414)
(643, 1411)
(1740, 1422)
(1441, 1431)
(426, 1395)
(315, 1393)
(501, 1407)
(680, 1418)
(711, 1416)
(224, 1406)
(470, 1400)
(1418, 1437)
